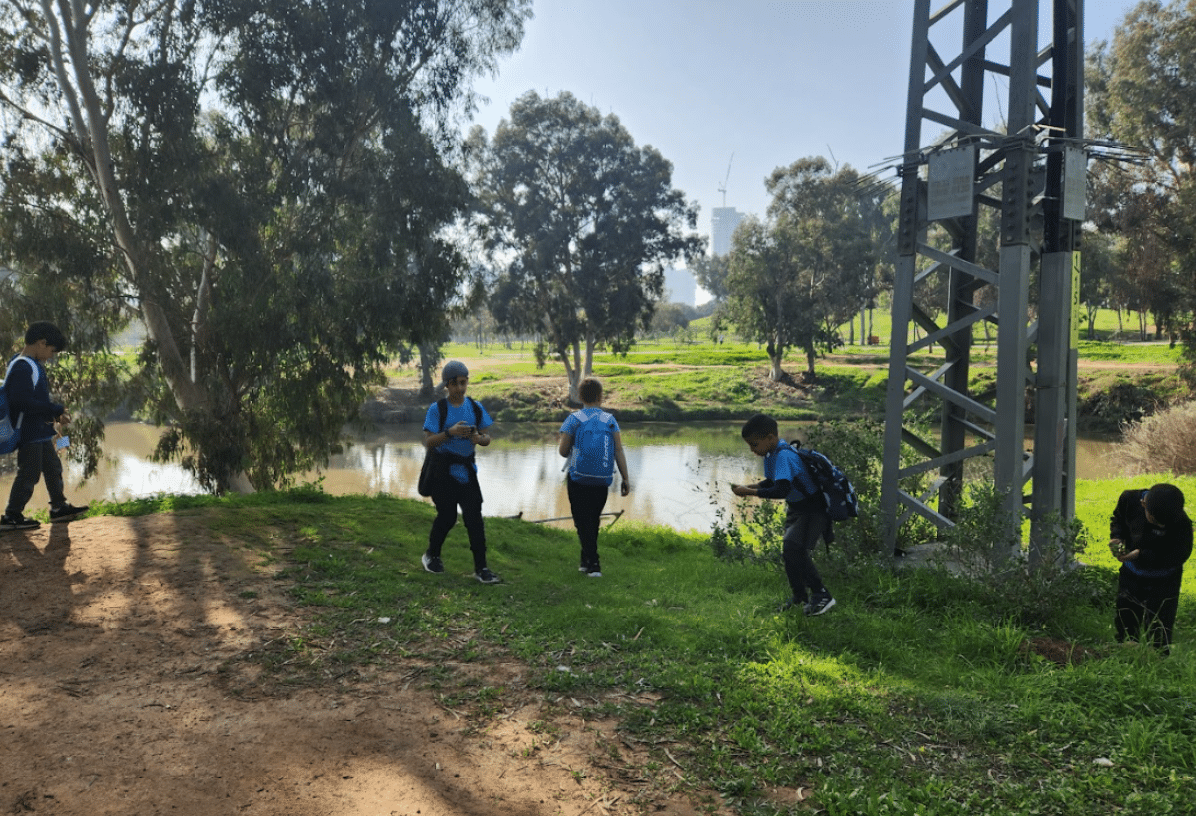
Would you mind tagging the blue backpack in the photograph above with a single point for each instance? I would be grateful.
(10, 435)
(592, 460)
(842, 503)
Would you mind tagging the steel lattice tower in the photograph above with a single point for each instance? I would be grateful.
(1030, 173)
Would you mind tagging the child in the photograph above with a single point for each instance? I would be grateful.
(599, 446)
(452, 428)
(786, 477)
(1151, 535)
(30, 409)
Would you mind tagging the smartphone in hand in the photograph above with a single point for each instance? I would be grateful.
(62, 442)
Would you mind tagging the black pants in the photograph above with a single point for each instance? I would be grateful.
(1146, 607)
(34, 460)
(586, 502)
(803, 529)
(447, 495)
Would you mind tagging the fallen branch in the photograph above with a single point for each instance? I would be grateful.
(565, 518)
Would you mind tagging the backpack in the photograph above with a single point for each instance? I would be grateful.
(592, 460)
(427, 473)
(10, 435)
(842, 503)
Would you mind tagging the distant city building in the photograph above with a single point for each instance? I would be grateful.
(680, 287)
(723, 221)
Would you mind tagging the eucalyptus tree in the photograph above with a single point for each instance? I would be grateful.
(263, 183)
(1141, 91)
(582, 222)
(797, 276)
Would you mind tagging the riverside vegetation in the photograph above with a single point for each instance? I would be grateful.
(925, 692)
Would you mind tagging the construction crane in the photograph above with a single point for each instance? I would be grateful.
(722, 188)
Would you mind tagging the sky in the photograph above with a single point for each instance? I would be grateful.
(728, 91)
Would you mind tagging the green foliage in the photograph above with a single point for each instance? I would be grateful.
(273, 212)
(809, 267)
(985, 546)
(594, 276)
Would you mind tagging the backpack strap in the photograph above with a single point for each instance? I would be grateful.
(17, 359)
(442, 407)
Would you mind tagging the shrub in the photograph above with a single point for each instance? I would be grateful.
(1160, 443)
(985, 548)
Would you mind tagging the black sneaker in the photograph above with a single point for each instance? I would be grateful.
(820, 604)
(18, 522)
(792, 603)
(432, 563)
(486, 576)
(68, 512)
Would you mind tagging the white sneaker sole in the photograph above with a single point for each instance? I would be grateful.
(823, 611)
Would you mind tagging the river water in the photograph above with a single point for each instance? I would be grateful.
(680, 472)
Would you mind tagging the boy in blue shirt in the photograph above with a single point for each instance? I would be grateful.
(30, 408)
(588, 493)
(455, 473)
(786, 477)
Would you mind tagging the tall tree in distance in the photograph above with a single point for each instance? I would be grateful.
(278, 245)
(583, 222)
(710, 271)
(805, 271)
(1141, 91)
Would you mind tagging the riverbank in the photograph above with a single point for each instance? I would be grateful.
(311, 665)
(1117, 384)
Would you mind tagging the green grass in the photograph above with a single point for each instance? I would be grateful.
(914, 696)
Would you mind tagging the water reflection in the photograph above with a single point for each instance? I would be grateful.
(680, 472)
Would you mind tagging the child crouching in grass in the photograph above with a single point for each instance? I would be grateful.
(1151, 535)
(786, 477)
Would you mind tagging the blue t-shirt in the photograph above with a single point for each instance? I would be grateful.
(460, 445)
(569, 426)
(783, 463)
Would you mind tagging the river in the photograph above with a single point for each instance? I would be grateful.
(680, 472)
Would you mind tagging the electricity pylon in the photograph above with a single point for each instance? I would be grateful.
(1030, 171)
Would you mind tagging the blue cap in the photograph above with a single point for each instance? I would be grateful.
(453, 370)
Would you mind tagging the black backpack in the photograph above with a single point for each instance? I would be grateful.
(842, 503)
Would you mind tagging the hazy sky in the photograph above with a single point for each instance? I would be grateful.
(770, 81)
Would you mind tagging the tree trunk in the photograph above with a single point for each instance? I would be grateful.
(429, 357)
(775, 372)
(573, 371)
(589, 366)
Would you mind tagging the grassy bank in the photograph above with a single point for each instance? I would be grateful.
(919, 694)
(669, 381)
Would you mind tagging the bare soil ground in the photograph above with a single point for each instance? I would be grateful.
(128, 686)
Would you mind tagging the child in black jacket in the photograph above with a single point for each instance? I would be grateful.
(31, 409)
(1151, 535)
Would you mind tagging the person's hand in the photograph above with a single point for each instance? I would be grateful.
(741, 490)
(461, 429)
(1129, 556)
(624, 488)
(1117, 547)
(64, 419)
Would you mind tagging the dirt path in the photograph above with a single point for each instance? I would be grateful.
(123, 690)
